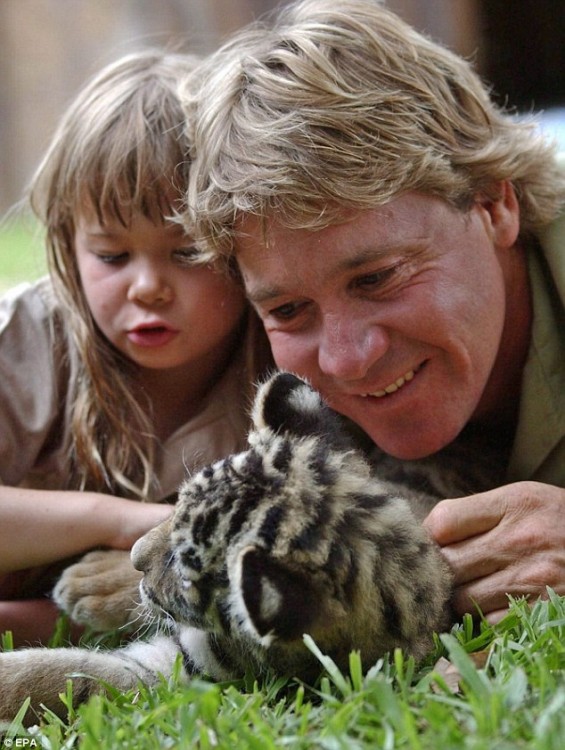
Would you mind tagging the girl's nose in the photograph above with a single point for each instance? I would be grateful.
(149, 287)
(349, 347)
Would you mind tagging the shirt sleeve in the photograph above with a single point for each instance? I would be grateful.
(29, 396)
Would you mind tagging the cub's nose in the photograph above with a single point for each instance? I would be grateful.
(145, 550)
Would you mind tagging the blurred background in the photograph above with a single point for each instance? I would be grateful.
(49, 47)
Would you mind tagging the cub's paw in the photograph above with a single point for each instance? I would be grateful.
(101, 590)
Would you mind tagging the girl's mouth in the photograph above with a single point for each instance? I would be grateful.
(149, 336)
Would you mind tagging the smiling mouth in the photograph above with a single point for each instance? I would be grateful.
(396, 385)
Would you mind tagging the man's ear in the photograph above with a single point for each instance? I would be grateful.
(501, 212)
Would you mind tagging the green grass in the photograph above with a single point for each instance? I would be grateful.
(515, 701)
(22, 257)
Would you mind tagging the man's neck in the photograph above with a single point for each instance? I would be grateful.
(500, 402)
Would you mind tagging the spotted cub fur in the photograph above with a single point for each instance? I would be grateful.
(299, 534)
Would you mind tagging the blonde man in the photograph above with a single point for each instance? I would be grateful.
(399, 236)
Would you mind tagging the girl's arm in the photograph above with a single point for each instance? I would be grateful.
(39, 526)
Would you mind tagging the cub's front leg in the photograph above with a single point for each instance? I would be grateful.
(101, 590)
(41, 673)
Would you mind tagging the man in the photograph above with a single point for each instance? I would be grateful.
(399, 237)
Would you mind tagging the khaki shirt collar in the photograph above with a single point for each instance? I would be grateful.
(541, 424)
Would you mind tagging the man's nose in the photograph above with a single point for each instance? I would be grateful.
(348, 347)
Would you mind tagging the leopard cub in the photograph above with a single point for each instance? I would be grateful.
(296, 535)
(304, 532)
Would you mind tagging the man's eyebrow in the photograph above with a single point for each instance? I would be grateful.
(366, 255)
(259, 293)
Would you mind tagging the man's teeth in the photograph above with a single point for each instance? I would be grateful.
(398, 383)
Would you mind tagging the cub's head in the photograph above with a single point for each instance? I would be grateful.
(219, 564)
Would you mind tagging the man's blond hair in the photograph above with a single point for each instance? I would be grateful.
(341, 106)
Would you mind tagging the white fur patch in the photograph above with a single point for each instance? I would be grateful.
(195, 644)
(305, 399)
(158, 655)
(271, 599)
(237, 603)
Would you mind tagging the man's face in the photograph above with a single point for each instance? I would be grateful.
(396, 316)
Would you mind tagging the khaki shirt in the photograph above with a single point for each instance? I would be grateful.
(31, 395)
(539, 446)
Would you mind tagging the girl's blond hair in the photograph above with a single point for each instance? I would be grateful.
(121, 147)
(340, 106)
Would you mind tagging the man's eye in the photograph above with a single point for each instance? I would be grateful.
(379, 278)
(287, 311)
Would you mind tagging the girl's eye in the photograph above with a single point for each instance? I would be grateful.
(111, 258)
(187, 255)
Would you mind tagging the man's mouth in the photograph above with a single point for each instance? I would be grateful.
(396, 385)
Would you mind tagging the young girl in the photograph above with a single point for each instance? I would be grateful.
(132, 362)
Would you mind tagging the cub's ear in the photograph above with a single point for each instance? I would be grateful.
(277, 602)
(286, 403)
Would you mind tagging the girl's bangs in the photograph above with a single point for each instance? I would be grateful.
(120, 199)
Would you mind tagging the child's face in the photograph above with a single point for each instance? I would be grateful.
(149, 303)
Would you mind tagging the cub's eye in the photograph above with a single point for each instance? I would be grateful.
(188, 256)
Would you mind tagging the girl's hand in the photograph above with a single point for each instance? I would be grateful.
(135, 519)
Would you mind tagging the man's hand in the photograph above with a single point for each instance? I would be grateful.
(510, 540)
